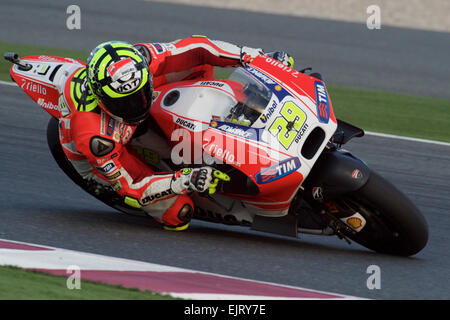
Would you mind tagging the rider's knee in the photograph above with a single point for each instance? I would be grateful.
(178, 216)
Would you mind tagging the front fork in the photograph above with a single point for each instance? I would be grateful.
(335, 176)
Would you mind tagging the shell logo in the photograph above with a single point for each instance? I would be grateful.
(355, 222)
(213, 124)
(155, 95)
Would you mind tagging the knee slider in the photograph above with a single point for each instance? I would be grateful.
(186, 213)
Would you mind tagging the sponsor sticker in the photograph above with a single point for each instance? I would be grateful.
(124, 75)
(212, 84)
(110, 127)
(322, 102)
(63, 106)
(301, 132)
(121, 68)
(113, 176)
(47, 104)
(267, 114)
(355, 221)
(317, 193)
(156, 196)
(159, 48)
(275, 87)
(33, 87)
(107, 167)
(260, 75)
(237, 130)
(127, 135)
(356, 174)
(155, 95)
(102, 123)
(185, 123)
(116, 136)
(223, 154)
(278, 170)
(117, 186)
(282, 66)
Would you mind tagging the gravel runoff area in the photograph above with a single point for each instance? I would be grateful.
(432, 15)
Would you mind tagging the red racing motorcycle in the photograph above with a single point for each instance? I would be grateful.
(272, 130)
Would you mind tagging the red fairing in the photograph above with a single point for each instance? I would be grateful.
(44, 94)
(299, 83)
(38, 83)
(94, 140)
(243, 154)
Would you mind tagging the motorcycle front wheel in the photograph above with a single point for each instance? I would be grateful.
(394, 225)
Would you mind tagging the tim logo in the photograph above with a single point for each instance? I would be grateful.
(109, 166)
(277, 171)
(322, 102)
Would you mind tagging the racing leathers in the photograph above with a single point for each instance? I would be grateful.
(98, 145)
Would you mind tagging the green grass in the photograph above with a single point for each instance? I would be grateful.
(393, 113)
(386, 112)
(19, 284)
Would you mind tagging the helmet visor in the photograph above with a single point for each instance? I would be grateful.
(133, 108)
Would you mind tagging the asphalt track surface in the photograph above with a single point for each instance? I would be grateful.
(40, 205)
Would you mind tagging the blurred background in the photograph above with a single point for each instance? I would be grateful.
(389, 46)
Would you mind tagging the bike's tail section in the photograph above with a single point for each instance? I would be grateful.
(42, 78)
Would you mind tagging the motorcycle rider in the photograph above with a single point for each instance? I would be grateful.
(112, 95)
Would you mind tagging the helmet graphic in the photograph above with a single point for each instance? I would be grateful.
(119, 76)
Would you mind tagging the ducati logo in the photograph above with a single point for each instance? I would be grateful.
(356, 174)
(101, 146)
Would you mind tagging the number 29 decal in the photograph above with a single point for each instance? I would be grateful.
(288, 124)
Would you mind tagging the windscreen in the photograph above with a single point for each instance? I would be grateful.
(252, 97)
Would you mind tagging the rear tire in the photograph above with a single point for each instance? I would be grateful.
(394, 224)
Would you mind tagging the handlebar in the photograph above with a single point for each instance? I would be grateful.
(14, 58)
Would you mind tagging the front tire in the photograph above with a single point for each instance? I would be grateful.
(394, 224)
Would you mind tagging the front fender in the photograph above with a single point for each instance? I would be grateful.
(337, 172)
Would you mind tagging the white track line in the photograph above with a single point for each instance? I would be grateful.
(44, 258)
(392, 136)
(370, 133)
(8, 83)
